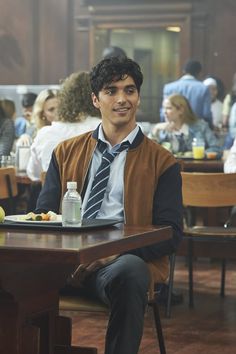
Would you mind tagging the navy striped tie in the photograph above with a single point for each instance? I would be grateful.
(101, 179)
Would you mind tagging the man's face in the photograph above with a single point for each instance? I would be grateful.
(27, 112)
(118, 103)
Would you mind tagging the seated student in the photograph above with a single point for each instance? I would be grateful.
(44, 113)
(7, 132)
(143, 187)
(216, 104)
(9, 108)
(74, 115)
(182, 126)
(24, 124)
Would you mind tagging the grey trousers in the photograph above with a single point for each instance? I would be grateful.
(123, 285)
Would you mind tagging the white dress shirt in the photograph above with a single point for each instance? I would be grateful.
(49, 137)
(113, 204)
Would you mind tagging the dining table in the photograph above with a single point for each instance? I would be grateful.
(201, 165)
(22, 178)
(36, 260)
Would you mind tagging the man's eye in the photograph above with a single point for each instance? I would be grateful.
(109, 92)
(131, 90)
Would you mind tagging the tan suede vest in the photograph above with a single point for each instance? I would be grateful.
(143, 167)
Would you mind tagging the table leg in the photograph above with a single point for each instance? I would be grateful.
(15, 336)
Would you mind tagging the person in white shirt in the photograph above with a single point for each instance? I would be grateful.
(216, 104)
(76, 115)
(230, 162)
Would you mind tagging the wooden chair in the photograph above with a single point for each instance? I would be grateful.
(8, 188)
(83, 304)
(209, 190)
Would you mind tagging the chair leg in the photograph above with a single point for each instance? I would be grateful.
(158, 325)
(190, 272)
(222, 286)
(170, 285)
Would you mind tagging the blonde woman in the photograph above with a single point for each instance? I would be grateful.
(76, 115)
(182, 126)
(43, 113)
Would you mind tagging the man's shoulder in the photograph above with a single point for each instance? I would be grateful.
(171, 84)
(158, 150)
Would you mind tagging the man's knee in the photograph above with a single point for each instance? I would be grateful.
(132, 271)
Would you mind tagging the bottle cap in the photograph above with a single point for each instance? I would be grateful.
(71, 185)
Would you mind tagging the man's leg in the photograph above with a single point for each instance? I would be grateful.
(123, 285)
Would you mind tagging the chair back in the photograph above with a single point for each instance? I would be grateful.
(208, 189)
(8, 189)
(8, 183)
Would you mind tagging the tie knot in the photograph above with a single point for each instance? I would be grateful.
(124, 146)
(102, 146)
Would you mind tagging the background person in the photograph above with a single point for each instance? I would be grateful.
(216, 104)
(72, 113)
(43, 114)
(182, 126)
(120, 281)
(7, 133)
(193, 89)
(113, 51)
(228, 102)
(24, 124)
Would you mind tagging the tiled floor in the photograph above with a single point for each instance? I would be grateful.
(209, 328)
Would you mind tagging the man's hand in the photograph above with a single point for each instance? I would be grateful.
(77, 278)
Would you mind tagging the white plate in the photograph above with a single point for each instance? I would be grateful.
(18, 219)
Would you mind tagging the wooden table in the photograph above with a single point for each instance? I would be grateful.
(202, 165)
(22, 178)
(34, 265)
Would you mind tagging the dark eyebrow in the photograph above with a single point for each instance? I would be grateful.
(107, 87)
(131, 86)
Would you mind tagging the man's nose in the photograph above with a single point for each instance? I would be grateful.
(121, 97)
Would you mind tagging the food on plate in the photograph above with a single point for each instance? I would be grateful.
(49, 216)
(186, 154)
(2, 214)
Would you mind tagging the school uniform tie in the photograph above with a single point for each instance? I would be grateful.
(101, 179)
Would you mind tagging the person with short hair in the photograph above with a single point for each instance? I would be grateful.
(193, 89)
(23, 124)
(216, 104)
(113, 51)
(143, 187)
(7, 132)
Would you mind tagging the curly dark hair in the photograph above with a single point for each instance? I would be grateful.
(114, 69)
(74, 98)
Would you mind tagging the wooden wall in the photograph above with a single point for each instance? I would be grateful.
(34, 41)
(40, 43)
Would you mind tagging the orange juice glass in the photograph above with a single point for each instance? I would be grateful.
(198, 148)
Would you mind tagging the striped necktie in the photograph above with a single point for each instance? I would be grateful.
(101, 179)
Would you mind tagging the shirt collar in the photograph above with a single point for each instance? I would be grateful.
(188, 77)
(130, 137)
(183, 130)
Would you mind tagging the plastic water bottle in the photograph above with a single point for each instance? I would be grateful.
(71, 206)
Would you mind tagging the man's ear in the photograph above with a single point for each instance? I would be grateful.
(95, 101)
